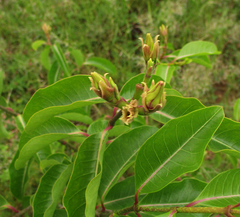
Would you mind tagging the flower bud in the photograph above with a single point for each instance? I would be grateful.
(46, 28)
(104, 88)
(150, 49)
(163, 30)
(153, 99)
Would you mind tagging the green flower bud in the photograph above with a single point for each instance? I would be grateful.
(104, 88)
(153, 99)
(149, 41)
(163, 30)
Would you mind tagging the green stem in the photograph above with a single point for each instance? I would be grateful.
(213, 210)
(115, 118)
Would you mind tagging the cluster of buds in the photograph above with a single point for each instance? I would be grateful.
(153, 99)
(150, 49)
(106, 89)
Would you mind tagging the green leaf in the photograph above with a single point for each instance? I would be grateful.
(227, 138)
(222, 191)
(65, 95)
(37, 44)
(202, 60)
(73, 116)
(78, 56)
(84, 170)
(61, 59)
(20, 122)
(54, 159)
(45, 57)
(54, 73)
(198, 48)
(172, 92)
(117, 130)
(101, 63)
(176, 194)
(18, 178)
(97, 126)
(3, 203)
(165, 72)
(60, 213)
(1, 81)
(50, 190)
(236, 110)
(52, 130)
(175, 107)
(121, 195)
(178, 147)
(124, 156)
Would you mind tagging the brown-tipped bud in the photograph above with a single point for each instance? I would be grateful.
(146, 52)
(163, 30)
(104, 88)
(46, 28)
(153, 99)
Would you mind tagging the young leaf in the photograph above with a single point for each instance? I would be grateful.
(84, 170)
(65, 95)
(202, 60)
(222, 191)
(50, 190)
(176, 194)
(236, 111)
(78, 56)
(101, 63)
(37, 44)
(45, 57)
(198, 48)
(18, 178)
(178, 147)
(52, 130)
(226, 138)
(124, 155)
(175, 107)
(165, 72)
(61, 59)
(54, 72)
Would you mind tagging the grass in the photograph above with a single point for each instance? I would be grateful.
(110, 29)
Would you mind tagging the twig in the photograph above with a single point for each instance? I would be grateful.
(23, 211)
(9, 110)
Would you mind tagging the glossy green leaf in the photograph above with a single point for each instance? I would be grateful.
(101, 63)
(57, 158)
(222, 191)
(117, 130)
(121, 195)
(18, 178)
(227, 138)
(236, 110)
(198, 48)
(3, 203)
(97, 126)
(37, 44)
(78, 56)
(45, 57)
(124, 155)
(172, 92)
(50, 190)
(175, 107)
(202, 60)
(73, 116)
(129, 87)
(60, 213)
(20, 122)
(176, 194)
(61, 59)
(178, 147)
(165, 72)
(65, 95)
(84, 170)
(54, 73)
(52, 130)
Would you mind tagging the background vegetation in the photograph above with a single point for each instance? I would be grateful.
(110, 29)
